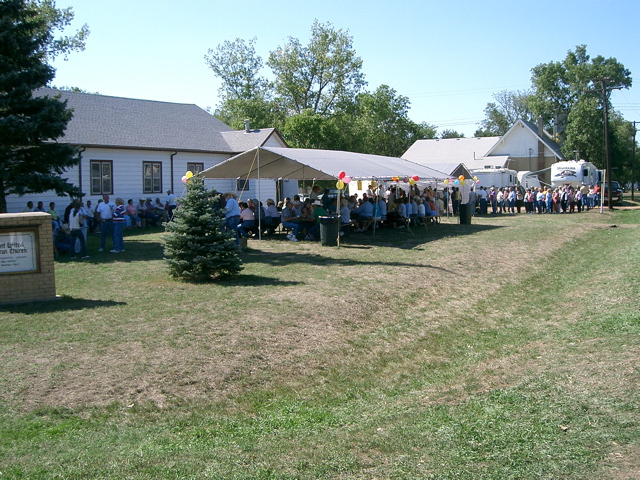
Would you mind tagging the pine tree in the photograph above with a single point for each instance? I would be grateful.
(197, 248)
(31, 161)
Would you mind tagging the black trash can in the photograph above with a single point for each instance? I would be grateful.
(329, 230)
(466, 212)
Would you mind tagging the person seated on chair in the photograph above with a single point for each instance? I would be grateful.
(62, 242)
(132, 213)
(259, 212)
(364, 215)
(393, 216)
(403, 213)
(306, 219)
(289, 217)
(160, 210)
(272, 217)
(421, 211)
(313, 233)
(150, 213)
(429, 210)
(414, 208)
(345, 216)
(382, 208)
(247, 219)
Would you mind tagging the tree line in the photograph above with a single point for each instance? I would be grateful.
(316, 97)
(569, 96)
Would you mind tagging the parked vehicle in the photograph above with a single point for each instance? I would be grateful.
(617, 196)
(529, 179)
(574, 173)
(495, 177)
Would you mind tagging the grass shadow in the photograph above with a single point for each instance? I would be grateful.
(290, 259)
(60, 304)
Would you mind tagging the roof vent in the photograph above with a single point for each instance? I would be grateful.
(247, 129)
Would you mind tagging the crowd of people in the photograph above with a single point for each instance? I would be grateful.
(393, 208)
(564, 199)
(108, 218)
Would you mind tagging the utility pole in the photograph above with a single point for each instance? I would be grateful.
(633, 162)
(606, 92)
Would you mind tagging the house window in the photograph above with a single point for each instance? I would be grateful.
(242, 184)
(101, 177)
(195, 168)
(152, 177)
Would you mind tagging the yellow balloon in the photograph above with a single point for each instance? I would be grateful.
(446, 182)
(412, 181)
(461, 177)
(339, 184)
(475, 179)
(462, 182)
(189, 174)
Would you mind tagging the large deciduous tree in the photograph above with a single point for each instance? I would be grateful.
(504, 111)
(320, 76)
(31, 161)
(568, 96)
(244, 93)
(383, 125)
(316, 98)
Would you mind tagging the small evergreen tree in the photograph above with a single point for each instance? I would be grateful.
(197, 248)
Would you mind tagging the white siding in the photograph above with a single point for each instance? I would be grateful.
(127, 175)
(518, 143)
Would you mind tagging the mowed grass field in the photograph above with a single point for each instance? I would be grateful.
(505, 349)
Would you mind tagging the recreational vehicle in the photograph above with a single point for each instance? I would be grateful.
(574, 173)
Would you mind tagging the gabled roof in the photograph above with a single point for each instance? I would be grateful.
(241, 141)
(550, 144)
(449, 150)
(103, 121)
(453, 169)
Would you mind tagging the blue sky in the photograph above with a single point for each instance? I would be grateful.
(448, 58)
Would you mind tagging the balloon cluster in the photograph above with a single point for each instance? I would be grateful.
(343, 179)
(410, 180)
(457, 181)
(187, 176)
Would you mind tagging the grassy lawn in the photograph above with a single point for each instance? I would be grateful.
(503, 349)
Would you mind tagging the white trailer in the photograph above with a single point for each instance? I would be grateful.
(495, 177)
(574, 173)
(529, 179)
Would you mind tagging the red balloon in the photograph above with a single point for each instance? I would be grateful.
(415, 178)
(341, 175)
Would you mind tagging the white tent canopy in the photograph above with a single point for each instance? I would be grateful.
(306, 164)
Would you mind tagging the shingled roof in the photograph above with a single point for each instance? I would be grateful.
(116, 122)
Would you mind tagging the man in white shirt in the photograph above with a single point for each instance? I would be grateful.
(172, 203)
(104, 212)
(484, 200)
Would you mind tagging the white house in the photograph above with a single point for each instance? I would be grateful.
(139, 148)
(525, 146)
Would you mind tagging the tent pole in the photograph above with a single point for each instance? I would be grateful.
(339, 216)
(259, 207)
